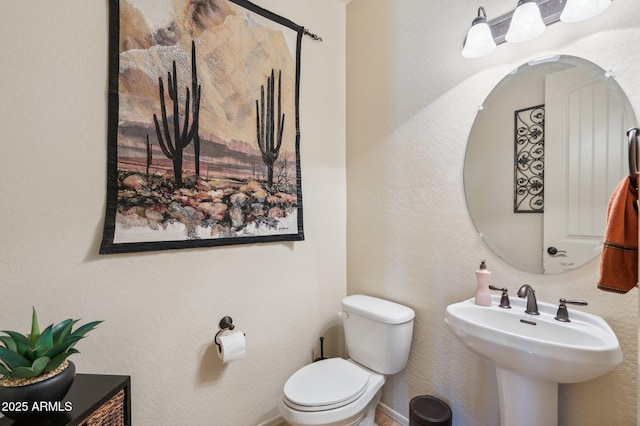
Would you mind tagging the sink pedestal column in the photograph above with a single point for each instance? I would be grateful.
(525, 401)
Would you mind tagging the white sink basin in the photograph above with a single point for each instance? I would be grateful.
(536, 346)
(533, 353)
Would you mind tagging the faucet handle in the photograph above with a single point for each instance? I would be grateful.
(563, 313)
(504, 300)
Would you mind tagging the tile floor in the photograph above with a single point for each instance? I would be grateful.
(384, 420)
(381, 420)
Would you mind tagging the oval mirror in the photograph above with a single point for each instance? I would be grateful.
(545, 152)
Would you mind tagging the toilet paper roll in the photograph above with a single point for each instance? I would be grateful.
(233, 346)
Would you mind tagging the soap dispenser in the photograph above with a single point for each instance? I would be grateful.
(483, 295)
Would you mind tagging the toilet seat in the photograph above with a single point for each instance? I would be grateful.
(325, 385)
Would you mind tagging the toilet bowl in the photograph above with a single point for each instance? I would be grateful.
(332, 392)
(345, 392)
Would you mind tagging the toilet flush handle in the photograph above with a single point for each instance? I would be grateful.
(343, 314)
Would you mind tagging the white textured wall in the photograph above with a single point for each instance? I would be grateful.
(411, 102)
(161, 309)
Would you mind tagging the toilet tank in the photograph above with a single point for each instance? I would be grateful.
(377, 332)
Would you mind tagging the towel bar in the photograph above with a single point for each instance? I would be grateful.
(632, 134)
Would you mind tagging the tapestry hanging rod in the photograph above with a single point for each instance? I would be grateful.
(310, 34)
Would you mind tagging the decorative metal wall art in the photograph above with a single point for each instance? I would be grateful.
(529, 160)
(203, 138)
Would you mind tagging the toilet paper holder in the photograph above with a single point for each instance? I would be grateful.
(226, 323)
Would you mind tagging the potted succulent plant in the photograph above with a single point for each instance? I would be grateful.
(35, 368)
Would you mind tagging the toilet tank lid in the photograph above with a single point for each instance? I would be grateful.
(378, 309)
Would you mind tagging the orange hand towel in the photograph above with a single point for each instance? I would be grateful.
(619, 260)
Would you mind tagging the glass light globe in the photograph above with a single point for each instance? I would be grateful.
(579, 10)
(479, 41)
(526, 23)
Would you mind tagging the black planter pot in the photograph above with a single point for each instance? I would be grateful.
(38, 399)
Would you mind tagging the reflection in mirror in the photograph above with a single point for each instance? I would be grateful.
(545, 152)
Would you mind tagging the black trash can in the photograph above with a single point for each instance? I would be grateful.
(427, 410)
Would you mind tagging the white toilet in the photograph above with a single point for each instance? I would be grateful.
(339, 392)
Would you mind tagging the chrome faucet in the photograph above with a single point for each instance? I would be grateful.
(532, 304)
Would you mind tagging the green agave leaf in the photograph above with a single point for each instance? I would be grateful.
(22, 341)
(61, 325)
(4, 371)
(40, 351)
(24, 372)
(72, 345)
(13, 359)
(9, 343)
(46, 338)
(62, 330)
(30, 354)
(63, 347)
(35, 328)
(40, 364)
(81, 331)
(57, 361)
(64, 333)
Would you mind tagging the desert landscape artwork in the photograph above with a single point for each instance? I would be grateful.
(203, 144)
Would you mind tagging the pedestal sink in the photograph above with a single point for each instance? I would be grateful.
(533, 353)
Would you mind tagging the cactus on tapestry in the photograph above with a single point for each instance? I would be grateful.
(149, 155)
(173, 147)
(269, 135)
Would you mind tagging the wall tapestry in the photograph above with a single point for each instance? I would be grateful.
(529, 160)
(203, 138)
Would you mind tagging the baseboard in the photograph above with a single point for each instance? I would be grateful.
(395, 416)
(276, 421)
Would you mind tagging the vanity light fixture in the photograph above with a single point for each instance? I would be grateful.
(479, 41)
(579, 10)
(527, 21)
